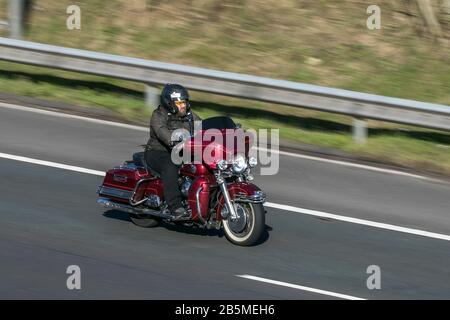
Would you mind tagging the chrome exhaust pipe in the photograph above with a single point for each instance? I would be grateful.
(107, 203)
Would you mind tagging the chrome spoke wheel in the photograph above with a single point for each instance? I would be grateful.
(248, 226)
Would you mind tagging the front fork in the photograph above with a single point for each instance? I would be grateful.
(231, 210)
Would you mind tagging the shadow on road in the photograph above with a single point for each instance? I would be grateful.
(178, 227)
(116, 214)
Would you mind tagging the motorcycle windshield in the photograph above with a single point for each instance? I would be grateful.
(225, 146)
(220, 123)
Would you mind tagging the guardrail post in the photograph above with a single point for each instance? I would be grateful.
(359, 130)
(152, 94)
(15, 18)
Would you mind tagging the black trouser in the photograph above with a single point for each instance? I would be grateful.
(160, 162)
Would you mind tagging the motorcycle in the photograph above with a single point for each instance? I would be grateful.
(217, 193)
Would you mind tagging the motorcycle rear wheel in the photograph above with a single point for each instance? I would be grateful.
(145, 221)
(249, 227)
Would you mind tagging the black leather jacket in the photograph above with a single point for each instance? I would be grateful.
(162, 124)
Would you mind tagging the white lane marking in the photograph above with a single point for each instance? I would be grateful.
(267, 204)
(71, 116)
(51, 164)
(359, 221)
(350, 164)
(295, 286)
(290, 154)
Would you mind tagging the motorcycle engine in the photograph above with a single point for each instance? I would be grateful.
(185, 186)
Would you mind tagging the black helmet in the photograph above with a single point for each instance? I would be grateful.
(171, 93)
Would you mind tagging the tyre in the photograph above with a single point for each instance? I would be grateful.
(249, 226)
(145, 221)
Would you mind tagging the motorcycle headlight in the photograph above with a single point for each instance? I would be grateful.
(222, 165)
(239, 164)
(252, 162)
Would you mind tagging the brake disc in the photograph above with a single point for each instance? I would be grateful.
(238, 225)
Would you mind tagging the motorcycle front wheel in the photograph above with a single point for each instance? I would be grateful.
(249, 226)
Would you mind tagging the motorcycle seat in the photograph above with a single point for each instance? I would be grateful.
(139, 161)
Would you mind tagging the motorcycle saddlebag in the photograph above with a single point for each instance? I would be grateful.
(119, 183)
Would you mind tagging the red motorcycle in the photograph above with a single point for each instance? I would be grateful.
(217, 193)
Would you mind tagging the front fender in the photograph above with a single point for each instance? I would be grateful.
(244, 189)
(241, 191)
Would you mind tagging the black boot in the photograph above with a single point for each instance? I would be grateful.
(180, 214)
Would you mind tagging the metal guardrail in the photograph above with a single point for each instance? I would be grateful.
(356, 104)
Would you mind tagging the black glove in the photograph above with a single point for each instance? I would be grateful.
(173, 143)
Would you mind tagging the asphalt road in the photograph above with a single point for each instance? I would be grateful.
(49, 220)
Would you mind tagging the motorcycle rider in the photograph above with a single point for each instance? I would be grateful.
(173, 113)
